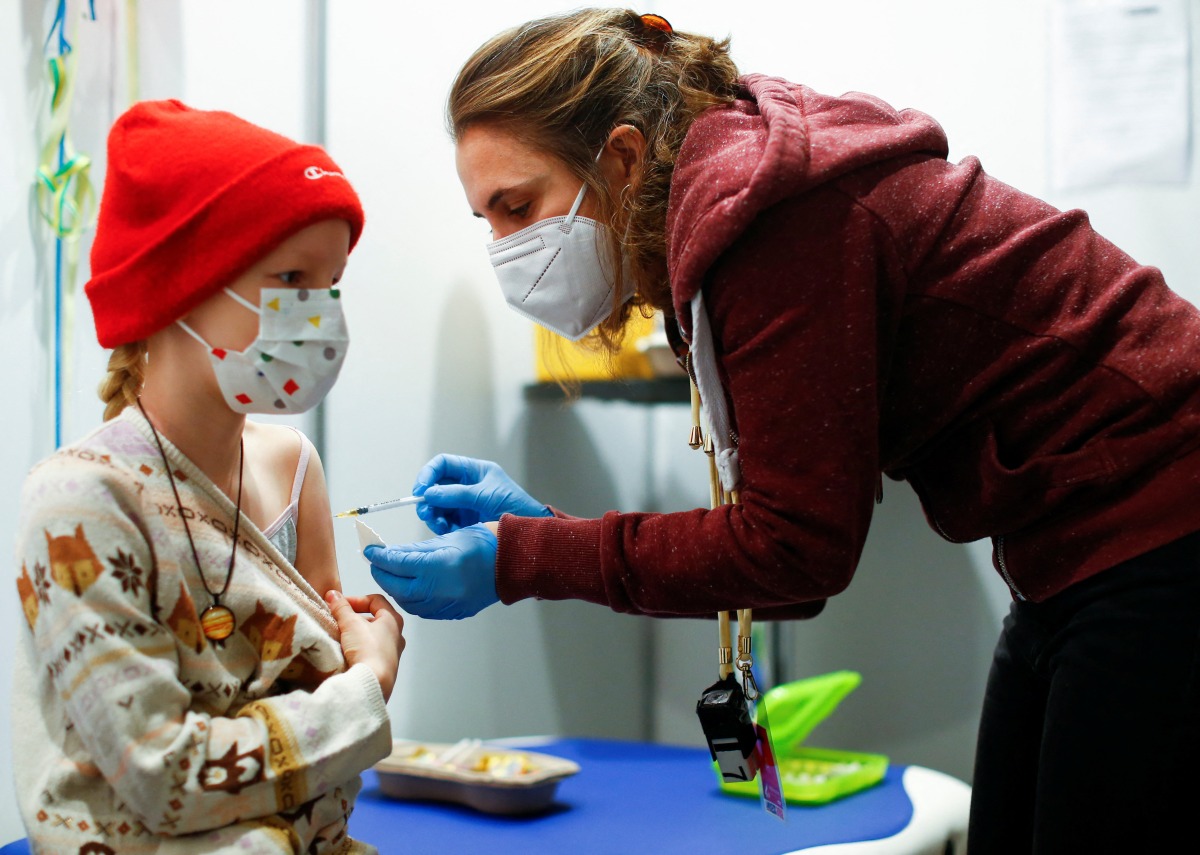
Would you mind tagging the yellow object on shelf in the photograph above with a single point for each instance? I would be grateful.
(558, 358)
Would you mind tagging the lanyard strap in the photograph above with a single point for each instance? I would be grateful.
(702, 362)
(718, 496)
(726, 660)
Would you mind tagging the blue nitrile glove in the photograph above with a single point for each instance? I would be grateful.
(448, 577)
(462, 491)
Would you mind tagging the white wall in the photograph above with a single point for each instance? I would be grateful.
(26, 264)
(443, 364)
(25, 435)
(438, 362)
(197, 71)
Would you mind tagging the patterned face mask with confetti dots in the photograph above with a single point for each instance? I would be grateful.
(295, 360)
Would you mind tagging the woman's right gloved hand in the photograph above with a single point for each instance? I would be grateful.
(448, 577)
(463, 491)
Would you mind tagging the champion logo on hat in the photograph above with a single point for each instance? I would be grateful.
(315, 172)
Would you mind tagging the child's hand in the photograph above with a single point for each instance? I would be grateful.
(371, 634)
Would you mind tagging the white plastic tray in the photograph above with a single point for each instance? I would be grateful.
(401, 776)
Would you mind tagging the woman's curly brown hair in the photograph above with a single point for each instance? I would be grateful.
(561, 84)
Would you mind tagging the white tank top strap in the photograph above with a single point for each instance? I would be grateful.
(306, 448)
(292, 511)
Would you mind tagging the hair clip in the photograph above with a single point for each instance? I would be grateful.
(657, 22)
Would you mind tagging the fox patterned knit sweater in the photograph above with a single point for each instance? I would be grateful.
(133, 732)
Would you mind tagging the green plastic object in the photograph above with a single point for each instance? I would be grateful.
(812, 775)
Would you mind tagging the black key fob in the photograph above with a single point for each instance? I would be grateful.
(725, 719)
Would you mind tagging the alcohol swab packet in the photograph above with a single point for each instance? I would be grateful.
(367, 536)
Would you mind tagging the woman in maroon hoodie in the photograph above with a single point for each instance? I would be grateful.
(851, 304)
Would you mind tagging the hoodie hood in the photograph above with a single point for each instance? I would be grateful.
(777, 140)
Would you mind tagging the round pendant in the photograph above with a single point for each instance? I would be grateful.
(217, 623)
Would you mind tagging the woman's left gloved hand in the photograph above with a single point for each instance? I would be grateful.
(460, 491)
(448, 577)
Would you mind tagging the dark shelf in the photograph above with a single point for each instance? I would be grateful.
(660, 390)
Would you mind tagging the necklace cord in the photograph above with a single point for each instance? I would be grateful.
(179, 504)
(237, 517)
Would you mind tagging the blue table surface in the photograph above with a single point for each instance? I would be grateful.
(627, 797)
(631, 797)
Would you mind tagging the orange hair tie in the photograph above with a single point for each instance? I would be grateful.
(657, 22)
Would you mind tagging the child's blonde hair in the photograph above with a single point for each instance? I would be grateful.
(126, 373)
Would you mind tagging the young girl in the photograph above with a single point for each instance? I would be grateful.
(182, 686)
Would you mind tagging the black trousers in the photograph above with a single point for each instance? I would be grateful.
(1090, 735)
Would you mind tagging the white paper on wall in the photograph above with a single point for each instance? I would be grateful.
(1120, 104)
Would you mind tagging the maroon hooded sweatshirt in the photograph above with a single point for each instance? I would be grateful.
(877, 309)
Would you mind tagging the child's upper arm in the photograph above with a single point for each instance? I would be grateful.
(316, 556)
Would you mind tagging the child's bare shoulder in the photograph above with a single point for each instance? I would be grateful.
(276, 447)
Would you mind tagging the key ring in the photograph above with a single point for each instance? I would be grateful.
(745, 657)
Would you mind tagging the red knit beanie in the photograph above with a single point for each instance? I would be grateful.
(192, 199)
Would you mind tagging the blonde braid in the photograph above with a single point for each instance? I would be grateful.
(126, 373)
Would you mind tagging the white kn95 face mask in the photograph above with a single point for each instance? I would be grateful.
(294, 361)
(554, 273)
